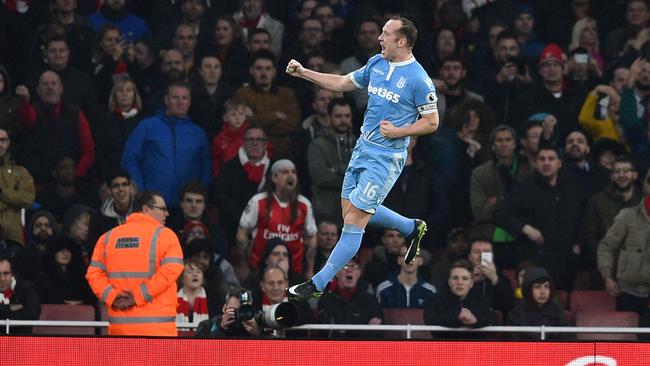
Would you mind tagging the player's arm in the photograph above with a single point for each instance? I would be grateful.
(337, 83)
(427, 124)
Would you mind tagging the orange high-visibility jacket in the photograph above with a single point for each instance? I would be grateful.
(145, 258)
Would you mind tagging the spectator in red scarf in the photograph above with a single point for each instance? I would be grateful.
(192, 299)
(18, 299)
(227, 143)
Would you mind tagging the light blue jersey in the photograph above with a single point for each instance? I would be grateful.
(397, 92)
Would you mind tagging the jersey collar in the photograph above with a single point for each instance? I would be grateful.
(402, 63)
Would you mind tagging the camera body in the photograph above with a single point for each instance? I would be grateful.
(519, 62)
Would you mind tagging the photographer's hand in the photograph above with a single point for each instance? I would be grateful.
(252, 327)
(228, 318)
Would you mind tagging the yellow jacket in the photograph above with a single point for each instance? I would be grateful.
(598, 128)
(144, 258)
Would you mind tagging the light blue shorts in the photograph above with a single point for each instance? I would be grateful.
(371, 173)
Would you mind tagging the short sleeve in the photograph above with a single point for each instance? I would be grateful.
(310, 227)
(424, 94)
(361, 77)
(248, 218)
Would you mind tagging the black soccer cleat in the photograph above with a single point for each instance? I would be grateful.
(413, 240)
(303, 291)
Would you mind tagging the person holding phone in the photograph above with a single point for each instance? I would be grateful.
(487, 279)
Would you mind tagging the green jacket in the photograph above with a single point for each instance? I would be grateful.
(16, 192)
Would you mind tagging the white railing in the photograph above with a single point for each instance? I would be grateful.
(408, 328)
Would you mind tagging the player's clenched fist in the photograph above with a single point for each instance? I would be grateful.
(294, 68)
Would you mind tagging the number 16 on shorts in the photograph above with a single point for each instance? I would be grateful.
(370, 191)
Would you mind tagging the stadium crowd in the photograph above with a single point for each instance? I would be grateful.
(541, 157)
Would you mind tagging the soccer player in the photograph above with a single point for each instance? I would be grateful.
(399, 90)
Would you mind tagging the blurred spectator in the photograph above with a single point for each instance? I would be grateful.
(274, 107)
(193, 203)
(108, 64)
(524, 27)
(184, 40)
(347, 303)
(63, 270)
(80, 35)
(240, 179)
(52, 129)
(326, 238)
(75, 226)
(585, 35)
(18, 298)
(336, 41)
(210, 91)
(192, 13)
(457, 248)
(171, 71)
(552, 94)
(487, 278)
(452, 91)
(132, 27)
(532, 134)
(280, 211)
(116, 207)
(634, 109)
(589, 173)
(41, 226)
(584, 74)
(225, 146)
(148, 159)
(310, 129)
(543, 213)
(604, 205)
(562, 18)
(276, 253)
(495, 178)
(328, 157)
(384, 257)
(8, 103)
(503, 77)
(16, 193)
(65, 189)
(218, 274)
(227, 43)
(192, 299)
(144, 67)
(251, 15)
(637, 15)
(538, 306)
(405, 289)
(367, 45)
(445, 44)
(456, 306)
(621, 255)
(123, 116)
(77, 85)
(605, 126)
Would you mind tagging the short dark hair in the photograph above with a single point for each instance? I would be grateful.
(453, 58)
(257, 31)
(462, 263)
(549, 146)
(500, 128)
(624, 159)
(195, 187)
(56, 38)
(507, 34)
(117, 173)
(338, 102)
(263, 55)
(528, 125)
(11, 265)
(144, 198)
(178, 84)
(408, 30)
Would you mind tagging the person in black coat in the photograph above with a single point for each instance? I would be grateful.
(18, 298)
(538, 306)
(458, 305)
(542, 214)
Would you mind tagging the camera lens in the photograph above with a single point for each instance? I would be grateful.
(244, 313)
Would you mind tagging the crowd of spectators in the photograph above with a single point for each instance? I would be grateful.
(544, 139)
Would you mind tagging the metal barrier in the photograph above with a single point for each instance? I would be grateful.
(408, 328)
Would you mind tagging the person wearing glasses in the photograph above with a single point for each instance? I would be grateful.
(622, 255)
(134, 269)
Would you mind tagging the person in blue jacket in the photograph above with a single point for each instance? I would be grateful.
(167, 150)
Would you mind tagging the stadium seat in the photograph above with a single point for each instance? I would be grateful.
(595, 318)
(591, 300)
(405, 316)
(66, 312)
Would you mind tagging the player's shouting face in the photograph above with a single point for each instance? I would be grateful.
(391, 40)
